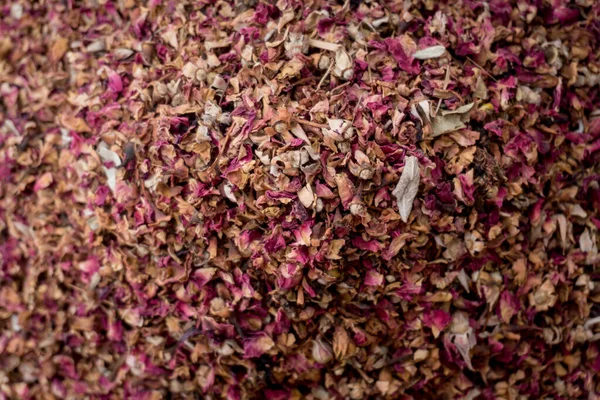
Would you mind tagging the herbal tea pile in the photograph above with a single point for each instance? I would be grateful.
(300, 199)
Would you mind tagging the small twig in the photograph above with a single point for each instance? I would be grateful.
(326, 74)
(519, 328)
(303, 80)
(446, 82)
(368, 25)
(368, 65)
(481, 68)
(339, 87)
(354, 113)
(323, 45)
(237, 326)
(358, 369)
(82, 290)
(86, 293)
(309, 123)
(399, 359)
(117, 366)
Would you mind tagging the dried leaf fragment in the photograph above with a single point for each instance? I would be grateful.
(258, 346)
(58, 49)
(343, 65)
(43, 181)
(407, 187)
(587, 242)
(420, 355)
(462, 336)
(306, 196)
(341, 342)
(450, 121)
(430, 52)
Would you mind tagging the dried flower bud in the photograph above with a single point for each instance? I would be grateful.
(349, 133)
(281, 126)
(148, 52)
(343, 67)
(324, 62)
(297, 43)
(583, 280)
(201, 75)
(366, 172)
(580, 334)
(321, 352)
(544, 297)
(552, 335)
(189, 70)
(525, 93)
(347, 74)
(219, 308)
(357, 207)
(551, 54)
(363, 167)
(341, 342)
(345, 147)
(178, 99)
(319, 205)
(160, 89)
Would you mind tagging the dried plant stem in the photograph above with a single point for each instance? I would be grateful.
(320, 44)
(331, 64)
(309, 123)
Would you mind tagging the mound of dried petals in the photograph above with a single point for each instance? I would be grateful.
(300, 200)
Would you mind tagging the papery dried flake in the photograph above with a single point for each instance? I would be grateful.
(407, 187)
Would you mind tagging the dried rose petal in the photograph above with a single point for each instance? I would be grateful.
(216, 198)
